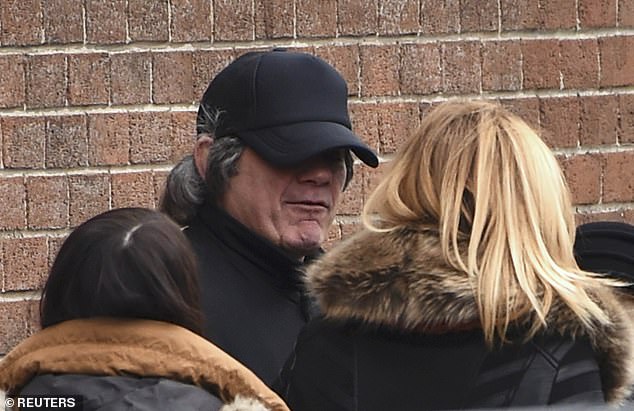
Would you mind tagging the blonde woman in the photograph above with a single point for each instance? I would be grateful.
(462, 290)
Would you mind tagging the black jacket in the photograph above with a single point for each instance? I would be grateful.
(402, 331)
(251, 292)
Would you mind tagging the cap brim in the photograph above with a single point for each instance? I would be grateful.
(292, 144)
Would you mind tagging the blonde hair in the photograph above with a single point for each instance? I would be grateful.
(480, 175)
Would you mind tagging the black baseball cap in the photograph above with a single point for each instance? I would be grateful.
(286, 106)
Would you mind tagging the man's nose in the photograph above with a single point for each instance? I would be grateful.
(317, 172)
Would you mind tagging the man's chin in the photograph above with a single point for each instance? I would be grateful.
(303, 246)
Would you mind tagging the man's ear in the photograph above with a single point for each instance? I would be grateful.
(201, 153)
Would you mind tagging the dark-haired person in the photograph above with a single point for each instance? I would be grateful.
(259, 193)
(120, 320)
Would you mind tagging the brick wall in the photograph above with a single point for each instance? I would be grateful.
(98, 98)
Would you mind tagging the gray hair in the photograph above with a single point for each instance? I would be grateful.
(185, 190)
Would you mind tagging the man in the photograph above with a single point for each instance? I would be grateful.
(258, 196)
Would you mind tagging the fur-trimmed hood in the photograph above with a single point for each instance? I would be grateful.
(399, 280)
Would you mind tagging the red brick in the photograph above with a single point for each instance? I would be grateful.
(345, 59)
(233, 20)
(617, 61)
(478, 15)
(106, 21)
(12, 81)
(190, 20)
(599, 120)
(54, 244)
(206, 64)
(316, 19)
(46, 81)
(597, 13)
(520, 14)
(147, 20)
(357, 17)
(352, 198)
(89, 195)
(18, 319)
(133, 190)
(25, 263)
(440, 17)
(526, 108)
(172, 78)
(130, 78)
(24, 142)
(583, 174)
(47, 202)
(420, 69)
(21, 22)
(150, 137)
(626, 14)
(618, 185)
(558, 14)
(559, 119)
(365, 122)
(397, 122)
(183, 134)
(541, 64)
(108, 139)
(63, 21)
(12, 203)
(626, 126)
(501, 65)
(66, 142)
(579, 63)
(398, 16)
(88, 79)
(379, 70)
(274, 19)
(462, 71)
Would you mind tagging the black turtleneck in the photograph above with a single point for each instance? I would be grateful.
(251, 292)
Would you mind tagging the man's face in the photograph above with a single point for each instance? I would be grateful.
(292, 207)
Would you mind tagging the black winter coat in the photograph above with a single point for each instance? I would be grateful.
(251, 292)
(402, 332)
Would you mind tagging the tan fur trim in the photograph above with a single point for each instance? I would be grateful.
(106, 346)
(244, 404)
(400, 280)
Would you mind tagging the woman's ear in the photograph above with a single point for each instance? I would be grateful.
(201, 153)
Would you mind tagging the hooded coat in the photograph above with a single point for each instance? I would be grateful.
(401, 330)
(132, 364)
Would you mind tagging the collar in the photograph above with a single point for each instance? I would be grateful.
(284, 271)
(109, 346)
